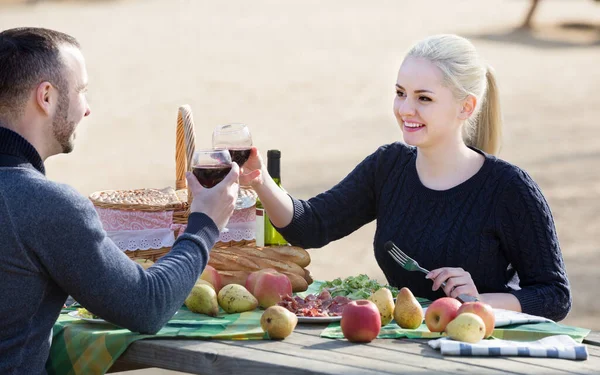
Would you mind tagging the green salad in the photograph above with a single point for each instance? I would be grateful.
(355, 287)
(84, 313)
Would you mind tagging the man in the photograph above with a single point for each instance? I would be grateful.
(51, 241)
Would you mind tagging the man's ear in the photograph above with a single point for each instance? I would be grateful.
(45, 97)
(468, 106)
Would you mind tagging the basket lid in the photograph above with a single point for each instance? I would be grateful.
(138, 199)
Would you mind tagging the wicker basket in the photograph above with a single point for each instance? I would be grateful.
(169, 199)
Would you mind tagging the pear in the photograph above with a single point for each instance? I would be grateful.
(408, 313)
(466, 327)
(384, 301)
(234, 298)
(278, 322)
(203, 300)
(204, 282)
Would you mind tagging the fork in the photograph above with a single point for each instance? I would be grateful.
(410, 264)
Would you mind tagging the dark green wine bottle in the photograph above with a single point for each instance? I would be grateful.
(272, 236)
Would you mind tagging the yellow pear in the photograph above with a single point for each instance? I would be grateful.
(408, 313)
(234, 298)
(466, 327)
(278, 322)
(203, 300)
(204, 282)
(384, 301)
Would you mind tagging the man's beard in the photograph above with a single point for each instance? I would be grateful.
(61, 126)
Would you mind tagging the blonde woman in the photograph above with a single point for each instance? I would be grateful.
(479, 223)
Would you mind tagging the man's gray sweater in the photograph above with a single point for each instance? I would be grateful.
(52, 245)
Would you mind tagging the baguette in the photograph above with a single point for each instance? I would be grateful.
(308, 277)
(239, 277)
(296, 254)
(225, 259)
(283, 253)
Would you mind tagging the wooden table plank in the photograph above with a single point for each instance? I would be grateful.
(305, 352)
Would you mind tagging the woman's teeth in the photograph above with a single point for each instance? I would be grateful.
(413, 125)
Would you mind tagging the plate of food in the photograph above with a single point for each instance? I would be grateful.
(316, 308)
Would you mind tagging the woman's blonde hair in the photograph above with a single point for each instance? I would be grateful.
(466, 74)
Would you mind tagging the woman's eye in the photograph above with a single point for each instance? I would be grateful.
(400, 94)
(424, 98)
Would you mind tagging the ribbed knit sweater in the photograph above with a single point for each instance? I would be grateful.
(52, 245)
(496, 225)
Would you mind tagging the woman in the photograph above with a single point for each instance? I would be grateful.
(479, 223)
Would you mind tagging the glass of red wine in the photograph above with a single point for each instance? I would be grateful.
(211, 166)
(237, 139)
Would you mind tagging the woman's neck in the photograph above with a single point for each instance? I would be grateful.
(442, 168)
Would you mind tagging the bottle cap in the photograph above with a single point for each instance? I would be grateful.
(274, 154)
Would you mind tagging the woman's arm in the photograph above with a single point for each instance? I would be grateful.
(528, 238)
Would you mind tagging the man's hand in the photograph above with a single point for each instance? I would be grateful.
(217, 202)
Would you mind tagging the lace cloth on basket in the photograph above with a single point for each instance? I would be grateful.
(141, 230)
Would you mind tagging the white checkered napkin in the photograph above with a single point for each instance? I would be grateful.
(559, 346)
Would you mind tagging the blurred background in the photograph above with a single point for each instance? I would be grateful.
(315, 79)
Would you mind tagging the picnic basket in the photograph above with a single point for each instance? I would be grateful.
(145, 222)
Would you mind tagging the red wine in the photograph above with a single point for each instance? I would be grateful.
(210, 175)
(240, 156)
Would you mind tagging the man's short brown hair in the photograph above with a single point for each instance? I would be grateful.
(28, 57)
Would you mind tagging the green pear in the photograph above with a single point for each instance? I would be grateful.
(234, 298)
(384, 301)
(203, 300)
(408, 312)
(466, 327)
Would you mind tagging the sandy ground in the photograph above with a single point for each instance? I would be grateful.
(316, 80)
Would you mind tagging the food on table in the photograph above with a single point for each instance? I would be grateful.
(315, 306)
(270, 287)
(204, 282)
(466, 327)
(229, 260)
(355, 287)
(408, 312)
(240, 277)
(385, 304)
(361, 321)
(234, 298)
(84, 313)
(253, 277)
(211, 275)
(278, 322)
(440, 313)
(484, 311)
(203, 299)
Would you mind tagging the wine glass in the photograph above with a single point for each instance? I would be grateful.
(211, 166)
(236, 138)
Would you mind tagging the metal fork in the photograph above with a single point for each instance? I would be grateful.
(410, 264)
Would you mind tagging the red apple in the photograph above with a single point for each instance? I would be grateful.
(440, 313)
(361, 321)
(251, 280)
(270, 287)
(211, 275)
(484, 311)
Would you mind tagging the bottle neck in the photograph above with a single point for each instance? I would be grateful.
(273, 167)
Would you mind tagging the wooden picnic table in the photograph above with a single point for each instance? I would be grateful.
(304, 352)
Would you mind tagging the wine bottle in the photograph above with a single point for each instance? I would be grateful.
(270, 237)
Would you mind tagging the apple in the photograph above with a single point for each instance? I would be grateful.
(252, 277)
(211, 275)
(271, 287)
(440, 313)
(484, 311)
(361, 321)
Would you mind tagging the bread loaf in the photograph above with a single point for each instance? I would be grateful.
(284, 253)
(226, 259)
(239, 277)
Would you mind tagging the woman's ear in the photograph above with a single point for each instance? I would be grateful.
(468, 106)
